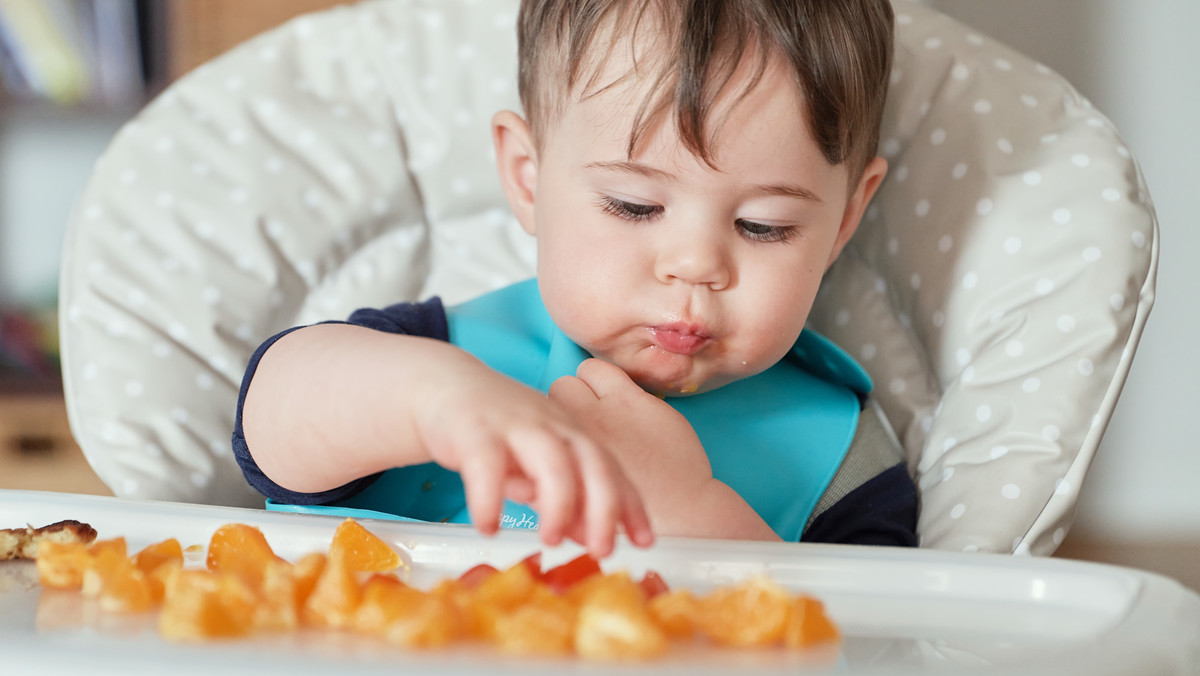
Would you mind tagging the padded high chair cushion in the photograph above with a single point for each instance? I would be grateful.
(995, 291)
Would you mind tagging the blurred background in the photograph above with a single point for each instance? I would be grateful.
(73, 71)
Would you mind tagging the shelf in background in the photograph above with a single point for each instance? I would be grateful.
(37, 451)
(199, 30)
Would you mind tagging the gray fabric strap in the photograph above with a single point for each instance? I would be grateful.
(874, 449)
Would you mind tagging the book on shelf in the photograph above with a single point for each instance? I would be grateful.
(72, 51)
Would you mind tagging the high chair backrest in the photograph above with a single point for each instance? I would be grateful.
(996, 290)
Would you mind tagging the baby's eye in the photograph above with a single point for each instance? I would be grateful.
(630, 211)
(764, 233)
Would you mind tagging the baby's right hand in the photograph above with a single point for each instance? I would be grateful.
(510, 441)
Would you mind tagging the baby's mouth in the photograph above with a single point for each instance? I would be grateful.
(679, 338)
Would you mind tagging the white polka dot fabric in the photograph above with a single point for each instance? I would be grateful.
(995, 291)
(998, 285)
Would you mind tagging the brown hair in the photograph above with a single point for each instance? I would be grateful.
(839, 50)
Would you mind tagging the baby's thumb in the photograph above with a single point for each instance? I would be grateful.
(571, 393)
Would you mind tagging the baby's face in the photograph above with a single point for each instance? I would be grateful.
(686, 276)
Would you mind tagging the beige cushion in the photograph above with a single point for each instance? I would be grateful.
(995, 292)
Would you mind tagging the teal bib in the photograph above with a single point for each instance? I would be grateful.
(776, 438)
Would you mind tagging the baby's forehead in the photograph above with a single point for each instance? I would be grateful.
(624, 96)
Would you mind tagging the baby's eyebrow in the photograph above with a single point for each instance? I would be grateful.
(633, 168)
(639, 169)
(783, 190)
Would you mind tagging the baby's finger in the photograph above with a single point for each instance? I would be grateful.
(577, 532)
(543, 457)
(602, 482)
(635, 519)
(520, 489)
(571, 392)
(603, 378)
(483, 471)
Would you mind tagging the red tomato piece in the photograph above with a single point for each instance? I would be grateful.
(534, 563)
(563, 577)
(652, 585)
(473, 577)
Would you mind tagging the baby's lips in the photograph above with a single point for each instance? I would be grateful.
(679, 340)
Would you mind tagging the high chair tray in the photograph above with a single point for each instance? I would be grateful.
(902, 611)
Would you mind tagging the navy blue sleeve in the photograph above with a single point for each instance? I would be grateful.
(426, 319)
(882, 511)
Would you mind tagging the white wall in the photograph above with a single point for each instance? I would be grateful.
(1139, 63)
(46, 155)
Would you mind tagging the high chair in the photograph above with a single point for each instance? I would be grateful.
(995, 292)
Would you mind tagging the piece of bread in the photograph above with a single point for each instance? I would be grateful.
(22, 543)
(11, 541)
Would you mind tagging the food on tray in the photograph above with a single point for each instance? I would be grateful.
(23, 543)
(359, 585)
(104, 571)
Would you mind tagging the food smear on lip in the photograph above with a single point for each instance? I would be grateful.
(679, 338)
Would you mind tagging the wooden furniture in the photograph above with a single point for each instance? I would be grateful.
(37, 451)
(198, 30)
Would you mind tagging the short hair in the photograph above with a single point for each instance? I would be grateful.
(840, 52)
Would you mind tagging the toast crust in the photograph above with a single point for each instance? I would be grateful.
(22, 543)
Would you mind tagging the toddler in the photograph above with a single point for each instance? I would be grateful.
(690, 169)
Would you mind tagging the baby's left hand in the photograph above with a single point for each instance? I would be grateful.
(654, 444)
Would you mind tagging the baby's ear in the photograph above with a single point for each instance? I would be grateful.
(872, 176)
(516, 163)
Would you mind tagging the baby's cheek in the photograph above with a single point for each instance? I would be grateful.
(762, 353)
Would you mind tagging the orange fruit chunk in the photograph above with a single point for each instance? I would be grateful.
(155, 555)
(543, 625)
(277, 608)
(156, 561)
(431, 622)
(201, 605)
(477, 574)
(807, 624)
(362, 550)
(242, 550)
(495, 596)
(305, 572)
(506, 589)
(520, 610)
(335, 596)
(613, 622)
(751, 613)
(384, 598)
(119, 586)
(60, 565)
(673, 612)
(104, 557)
(615, 585)
(404, 615)
(115, 545)
(126, 590)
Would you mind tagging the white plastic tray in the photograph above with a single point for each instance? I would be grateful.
(902, 611)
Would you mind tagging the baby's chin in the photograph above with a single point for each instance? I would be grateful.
(674, 384)
(668, 374)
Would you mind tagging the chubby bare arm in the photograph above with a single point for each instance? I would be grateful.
(325, 407)
(335, 402)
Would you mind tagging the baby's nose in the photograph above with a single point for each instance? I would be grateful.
(694, 260)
